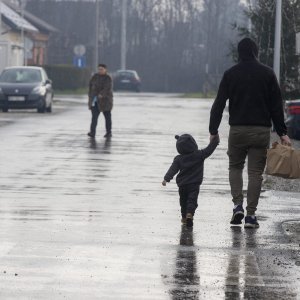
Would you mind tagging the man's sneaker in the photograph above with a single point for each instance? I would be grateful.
(90, 135)
(238, 215)
(251, 222)
(189, 220)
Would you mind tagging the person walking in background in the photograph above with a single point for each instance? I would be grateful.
(189, 163)
(100, 99)
(254, 101)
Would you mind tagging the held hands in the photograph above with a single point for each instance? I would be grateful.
(164, 183)
(214, 136)
(285, 140)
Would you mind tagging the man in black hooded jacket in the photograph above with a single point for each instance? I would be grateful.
(254, 101)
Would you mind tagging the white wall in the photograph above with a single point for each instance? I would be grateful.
(11, 53)
(5, 51)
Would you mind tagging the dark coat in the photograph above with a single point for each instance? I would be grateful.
(189, 164)
(100, 86)
(253, 92)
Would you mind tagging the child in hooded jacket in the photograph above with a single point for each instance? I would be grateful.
(189, 163)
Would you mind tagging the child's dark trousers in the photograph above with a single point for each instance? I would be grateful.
(188, 198)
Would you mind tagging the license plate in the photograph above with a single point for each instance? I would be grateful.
(125, 81)
(16, 98)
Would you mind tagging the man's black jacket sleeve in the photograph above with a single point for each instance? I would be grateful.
(217, 109)
(276, 108)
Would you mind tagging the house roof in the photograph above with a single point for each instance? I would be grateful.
(41, 25)
(14, 20)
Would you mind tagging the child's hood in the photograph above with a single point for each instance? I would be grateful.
(185, 144)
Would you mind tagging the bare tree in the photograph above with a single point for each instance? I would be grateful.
(175, 45)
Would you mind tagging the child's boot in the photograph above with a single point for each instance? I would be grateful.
(189, 220)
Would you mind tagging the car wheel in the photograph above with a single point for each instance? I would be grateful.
(42, 109)
(5, 109)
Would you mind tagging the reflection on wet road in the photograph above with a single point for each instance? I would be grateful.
(185, 281)
(244, 279)
(88, 219)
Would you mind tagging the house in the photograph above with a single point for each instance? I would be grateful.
(24, 37)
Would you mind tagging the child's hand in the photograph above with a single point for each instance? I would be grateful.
(213, 137)
(164, 183)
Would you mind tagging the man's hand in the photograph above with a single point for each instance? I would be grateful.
(164, 183)
(285, 140)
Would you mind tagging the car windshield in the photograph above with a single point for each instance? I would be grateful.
(126, 74)
(21, 76)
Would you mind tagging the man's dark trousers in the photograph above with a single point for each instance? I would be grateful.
(95, 114)
(188, 198)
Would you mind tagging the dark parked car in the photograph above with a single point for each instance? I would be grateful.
(293, 118)
(25, 87)
(127, 80)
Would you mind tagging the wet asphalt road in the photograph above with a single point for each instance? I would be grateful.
(83, 219)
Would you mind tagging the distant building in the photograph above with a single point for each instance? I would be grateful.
(40, 39)
(24, 37)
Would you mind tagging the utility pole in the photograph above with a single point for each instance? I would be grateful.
(249, 20)
(123, 34)
(277, 43)
(22, 33)
(0, 19)
(96, 58)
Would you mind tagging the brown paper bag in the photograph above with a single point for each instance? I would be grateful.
(283, 161)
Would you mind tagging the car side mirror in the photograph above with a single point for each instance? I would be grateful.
(48, 81)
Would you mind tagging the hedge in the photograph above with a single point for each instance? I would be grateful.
(67, 77)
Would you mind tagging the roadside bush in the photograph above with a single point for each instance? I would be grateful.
(67, 77)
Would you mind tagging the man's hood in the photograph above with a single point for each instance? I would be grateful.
(247, 49)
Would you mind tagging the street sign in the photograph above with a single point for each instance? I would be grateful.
(79, 50)
(79, 61)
